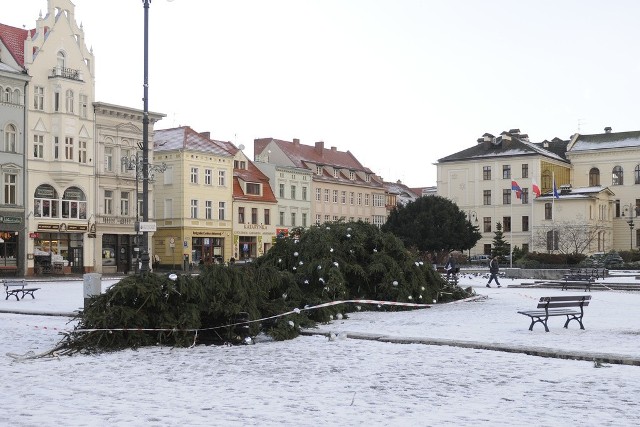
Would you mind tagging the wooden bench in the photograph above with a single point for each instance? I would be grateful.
(18, 289)
(558, 306)
(585, 275)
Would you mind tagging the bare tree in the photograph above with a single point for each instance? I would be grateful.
(568, 237)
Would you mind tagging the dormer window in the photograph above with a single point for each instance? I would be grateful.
(253, 188)
(239, 164)
(318, 170)
(367, 178)
(352, 175)
(336, 172)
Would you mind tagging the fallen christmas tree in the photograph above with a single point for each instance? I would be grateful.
(310, 267)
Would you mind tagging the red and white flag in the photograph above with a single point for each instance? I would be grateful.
(535, 188)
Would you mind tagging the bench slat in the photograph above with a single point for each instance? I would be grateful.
(566, 298)
(562, 304)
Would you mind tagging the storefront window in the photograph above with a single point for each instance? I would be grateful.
(8, 249)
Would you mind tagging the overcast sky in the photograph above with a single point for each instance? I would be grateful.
(399, 83)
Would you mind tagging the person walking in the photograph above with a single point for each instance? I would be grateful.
(450, 266)
(494, 268)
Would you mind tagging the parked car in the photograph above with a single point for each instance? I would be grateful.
(480, 259)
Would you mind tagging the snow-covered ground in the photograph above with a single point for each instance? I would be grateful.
(314, 381)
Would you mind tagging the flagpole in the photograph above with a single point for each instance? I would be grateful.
(511, 234)
(553, 213)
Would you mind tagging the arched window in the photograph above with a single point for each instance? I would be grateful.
(6, 96)
(10, 139)
(45, 202)
(69, 98)
(616, 176)
(61, 61)
(594, 177)
(74, 204)
(17, 97)
(636, 175)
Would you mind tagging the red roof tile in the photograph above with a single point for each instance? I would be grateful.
(186, 138)
(14, 38)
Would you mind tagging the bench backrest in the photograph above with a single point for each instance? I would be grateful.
(564, 301)
(14, 282)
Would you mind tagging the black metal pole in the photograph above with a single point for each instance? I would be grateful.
(145, 143)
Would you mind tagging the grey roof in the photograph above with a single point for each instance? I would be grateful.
(185, 138)
(602, 141)
(502, 146)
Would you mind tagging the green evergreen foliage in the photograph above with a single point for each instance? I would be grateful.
(499, 248)
(432, 224)
(321, 264)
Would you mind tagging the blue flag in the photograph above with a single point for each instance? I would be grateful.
(555, 190)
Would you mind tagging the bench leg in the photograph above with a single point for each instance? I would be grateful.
(573, 317)
(539, 320)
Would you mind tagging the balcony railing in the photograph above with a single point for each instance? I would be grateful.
(67, 73)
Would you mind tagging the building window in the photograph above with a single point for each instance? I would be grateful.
(366, 199)
(56, 101)
(552, 240)
(548, 211)
(38, 146)
(318, 170)
(486, 173)
(524, 196)
(486, 197)
(267, 217)
(239, 164)
(68, 148)
(506, 171)
(343, 197)
(281, 218)
(318, 219)
(168, 208)
(304, 219)
(327, 218)
(351, 197)
(221, 210)
(547, 178)
(10, 191)
(378, 200)
(594, 177)
(525, 223)
(293, 192)
(525, 170)
(69, 98)
(253, 188)
(10, 144)
(281, 190)
(241, 215)
(326, 195)
(108, 202)
(74, 204)
(293, 219)
(124, 203)
(486, 224)
(194, 208)
(616, 176)
(82, 151)
(304, 193)
(352, 175)
(318, 195)
(56, 147)
(359, 199)
(335, 196)
(636, 175)
(506, 224)
(208, 177)
(7, 95)
(336, 173)
(254, 215)
(108, 159)
(194, 175)
(84, 103)
(506, 196)
(208, 209)
(222, 178)
(38, 98)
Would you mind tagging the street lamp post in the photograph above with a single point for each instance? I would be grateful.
(634, 212)
(473, 216)
(145, 142)
(133, 164)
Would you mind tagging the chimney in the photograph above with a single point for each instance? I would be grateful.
(487, 137)
(206, 134)
(296, 142)
(320, 147)
(607, 129)
(334, 149)
(480, 140)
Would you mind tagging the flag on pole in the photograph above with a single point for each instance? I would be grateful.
(535, 188)
(515, 187)
(555, 189)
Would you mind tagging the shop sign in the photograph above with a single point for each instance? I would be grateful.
(10, 219)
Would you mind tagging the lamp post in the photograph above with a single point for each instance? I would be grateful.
(145, 142)
(133, 164)
(634, 212)
(473, 216)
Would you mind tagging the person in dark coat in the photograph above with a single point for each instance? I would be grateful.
(494, 268)
(450, 266)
